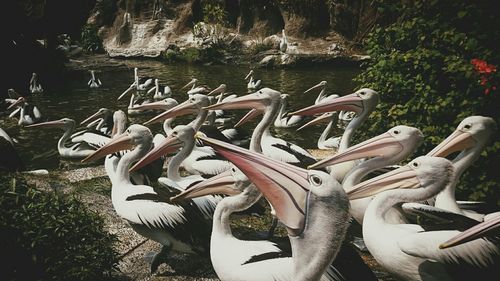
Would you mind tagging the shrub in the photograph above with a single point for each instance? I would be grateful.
(431, 70)
(91, 42)
(50, 236)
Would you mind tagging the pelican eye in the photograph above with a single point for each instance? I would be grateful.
(233, 170)
(468, 126)
(315, 180)
(362, 93)
(415, 164)
(128, 131)
(396, 132)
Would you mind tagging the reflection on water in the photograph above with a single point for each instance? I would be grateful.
(74, 99)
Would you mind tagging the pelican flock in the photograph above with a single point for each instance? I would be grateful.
(181, 185)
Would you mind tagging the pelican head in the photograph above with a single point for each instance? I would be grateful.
(164, 104)
(193, 105)
(398, 142)
(180, 135)
(102, 112)
(63, 123)
(219, 90)
(19, 102)
(362, 100)
(473, 131)
(135, 135)
(288, 188)
(321, 84)
(259, 100)
(190, 83)
(428, 172)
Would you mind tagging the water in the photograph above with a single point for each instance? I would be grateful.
(73, 99)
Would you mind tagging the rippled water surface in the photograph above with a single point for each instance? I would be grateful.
(73, 99)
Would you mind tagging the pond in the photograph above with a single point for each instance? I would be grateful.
(73, 99)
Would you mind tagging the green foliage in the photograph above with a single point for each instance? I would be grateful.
(191, 55)
(214, 13)
(421, 67)
(91, 42)
(50, 236)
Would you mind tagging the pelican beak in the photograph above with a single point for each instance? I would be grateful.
(17, 102)
(48, 124)
(352, 102)
(217, 90)
(322, 118)
(220, 184)
(157, 105)
(121, 142)
(189, 84)
(457, 141)
(250, 101)
(320, 84)
(130, 88)
(184, 108)
(248, 75)
(382, 145)
(474, 232)
(285, 186)
(404, 177)
(249, 116)
(92, 117)
(168, 145)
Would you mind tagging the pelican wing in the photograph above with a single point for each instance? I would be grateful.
(433, 218)
(289, 153)
(479, 253)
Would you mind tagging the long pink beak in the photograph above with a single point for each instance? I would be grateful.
(219, 184)
(457, 141)
(250, 101)
(480, 230)
(157, 105)
(325, 117)
(184, 108)
(92, 117)
(119, 143)
(48, 124)
(381, 145)
(320, 84)
(20, 100)
(168, 145)
(249, 116)
(285, 186)
(350, 102)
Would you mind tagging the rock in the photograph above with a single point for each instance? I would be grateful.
(269, 60)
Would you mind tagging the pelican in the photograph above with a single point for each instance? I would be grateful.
(322, 96)
(386, 149)
(196, 89)
(252, 85)
(488, 229)
(283, 120)
(290, 189)
(165, 105)
(362, 102)
(325, 142)
(470, 138)
(283, 42)
(35, 86)
(10, 161)
(102, 119)
(160, 91)
(178, 228)
(268, 100)
(140, 85)
(75, 150)
(408, 251)
(94, 82)
(28, 114)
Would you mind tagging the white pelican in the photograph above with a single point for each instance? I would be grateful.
(101, 121)
(316, 232)
(178, 228)
(35, 86)
(75, 150)
(28, 114)
(94, 82)
(139, 85)
(408, 251)
(160, 91)
(252, 85)
(283, 42)
(362, 102)
(322, 94)
(386, 149)
(325, 142)
(471, 137)
(283, 120)
(10, 161)
(268, 100)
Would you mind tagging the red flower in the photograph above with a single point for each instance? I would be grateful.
(487, 91)
(482, 66)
